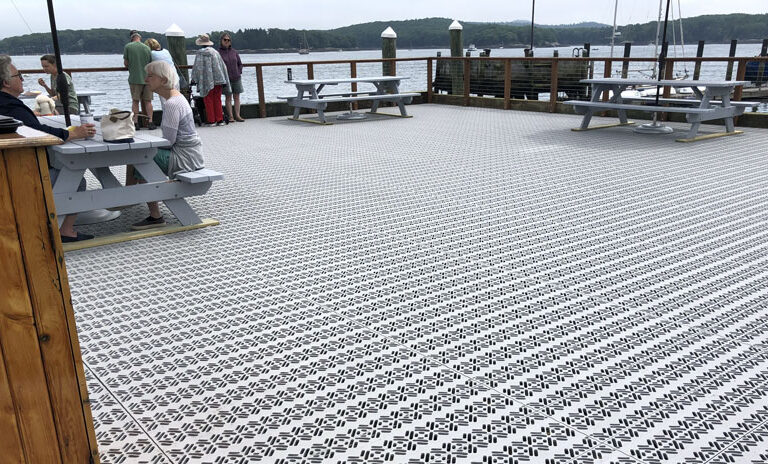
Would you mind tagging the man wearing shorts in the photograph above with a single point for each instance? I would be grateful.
(136, 55)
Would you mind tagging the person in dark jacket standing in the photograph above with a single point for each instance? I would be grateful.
(235, 70)
(11, 86)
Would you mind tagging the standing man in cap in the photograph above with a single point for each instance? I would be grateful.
(136, 56)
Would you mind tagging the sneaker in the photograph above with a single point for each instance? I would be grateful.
(220, 123)
(149, 223)
(136, 125)
(151, 125)
(80, 237)
(207, 124)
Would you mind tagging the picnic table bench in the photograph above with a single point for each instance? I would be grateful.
(714, 102)
(309, 94)
(75, 157)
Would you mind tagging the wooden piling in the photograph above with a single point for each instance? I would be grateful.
(553, 87)
(430, 91)
(761, 66)
(260, 89)
(697, 66)
(731, 54)
(625, 63)
(388, 50)
(353, 74)
(507, 83)
(467, 75)
(177, 47)
(457, 50)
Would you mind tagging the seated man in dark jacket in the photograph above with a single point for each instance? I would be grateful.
(10, 105)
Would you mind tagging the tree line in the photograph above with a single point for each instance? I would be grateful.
(415, 33)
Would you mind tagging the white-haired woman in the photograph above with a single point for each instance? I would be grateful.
(185, 152)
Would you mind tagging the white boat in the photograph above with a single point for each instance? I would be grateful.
(472, 48)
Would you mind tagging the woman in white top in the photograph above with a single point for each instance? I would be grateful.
(160, 54)
(185, 150)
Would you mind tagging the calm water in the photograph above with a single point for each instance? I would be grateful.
(116, 86)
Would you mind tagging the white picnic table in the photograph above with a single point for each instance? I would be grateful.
(84, 98)
(75, 157)
(711, 103)
(309, 94)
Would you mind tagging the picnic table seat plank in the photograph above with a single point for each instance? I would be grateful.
(689, 101)
(201, 175)
(630, 107)
(393, 97)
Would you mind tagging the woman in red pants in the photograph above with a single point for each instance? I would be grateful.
(210, 74)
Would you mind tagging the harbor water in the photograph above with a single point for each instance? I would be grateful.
(117, 95)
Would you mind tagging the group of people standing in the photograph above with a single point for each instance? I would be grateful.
(214, 72)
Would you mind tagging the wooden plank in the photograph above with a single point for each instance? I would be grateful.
(709, 136)
(9, 427)
(313, 121)
(135, 235)
(27, 137)
(54, 316)
(602, 126)
(19, 338)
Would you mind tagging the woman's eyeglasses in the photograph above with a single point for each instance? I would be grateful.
(226, 40)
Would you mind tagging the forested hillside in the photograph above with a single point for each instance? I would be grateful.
(416, 33)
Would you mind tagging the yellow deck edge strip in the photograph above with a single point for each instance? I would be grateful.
(579, 129)
(710, 136)
(311, 121)
(135, 235)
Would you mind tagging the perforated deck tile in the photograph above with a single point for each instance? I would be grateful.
(466, 286)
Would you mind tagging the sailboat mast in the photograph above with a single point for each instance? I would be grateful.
(656, 46)
(613, 34)
(533, 13)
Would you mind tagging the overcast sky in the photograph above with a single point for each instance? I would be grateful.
(196, 16)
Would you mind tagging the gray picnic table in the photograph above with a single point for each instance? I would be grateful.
(84, 98)
(713, 101)
(75, 157)
(309, 94)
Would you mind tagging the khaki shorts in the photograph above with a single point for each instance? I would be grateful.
(140, 92)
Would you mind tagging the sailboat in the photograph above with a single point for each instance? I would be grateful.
(650, 91)
(305, 49)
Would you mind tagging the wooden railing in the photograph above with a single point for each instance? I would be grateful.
(740, 62)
